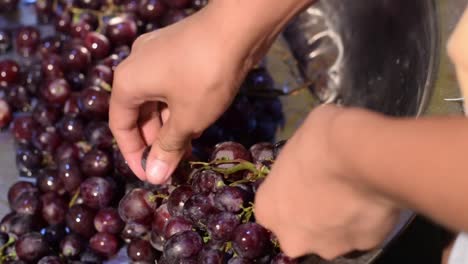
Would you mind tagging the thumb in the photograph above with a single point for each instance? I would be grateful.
(166, 152)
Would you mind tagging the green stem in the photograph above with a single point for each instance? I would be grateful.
(74, 198)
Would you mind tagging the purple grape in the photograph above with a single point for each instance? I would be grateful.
(70, 174)
(77, 81)
(56, 92)
(281, 258)
(89, 4)
(52, 67)
(157, 241)
(173, 16)
(46, 140)
(96, 163)
(136, 206)
(207, 181)
(230, 151)
(121, 165)
(177, 200)
(53, 234)
(121, 30)
(198, 207)
(178, 4)
(72, 246)
(133, 231)
(50, 260)
(211, 256)
(94, 103)
(160, 219)
(31, 247)
(71, 128)
(104, 244)
(66, 151)
(49, 181)
(183, 245)
(108, 220)
(177, 225)
(99, 135)
(27, 203)
(230, 199)
(199, 4)
(90, 18)
(45, 114)
(151, 10)
(18, 97)
(32, 78)
(262, 152)
(251, 241)
(238, 260)
(80, 29)
(50, 45)
(141, 250)
(77, 58)
(54, 208)
(97, 192)
(100, 76)
(9, 72)
(19, 224)
(63, 22)
(98, 45)
(80, 220)
(17, 189)
(27, 40)
(23, 128)
(221, 226)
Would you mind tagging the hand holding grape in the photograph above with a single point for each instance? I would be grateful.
(312, 200)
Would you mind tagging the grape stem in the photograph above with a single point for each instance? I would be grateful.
(241, 165)
(74, 198)
(11, 241)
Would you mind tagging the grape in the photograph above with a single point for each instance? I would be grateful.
(5, 41)
(97, 44)
(278, 147)
(17, 189)
(183, 245)
(121, 30)
(80, 29)
(89, 256)
(50, 260)
(89, 4)
(111, 61)
(177, 199)
(63, 22)
(27, 40)
(136, 206)
(230, 199)
(50, 45)
(281, 258)
(207, 181)
(53, 235)
(221, 226)
(9, 72)
(23, 127)
(66, 151)
(121, 164)
(157, 241)
(230, 151)
(199, 4)
(178, 4)
(27, 203)
(108, 220)
(54, 208)
(32, 78)
(177, 225)
(104, 244)
(237, 260)
(46, 139)
(133, 231)
(150, 10)
(52, 67)
(211, 256)
(100, 76)
(31, 247)
(5, 114)
(160, 218)
(96, 163)
(71, 246)
(80, 220)
(198, 207)
(56, 92)
(251, 241)
(19, 224)
(97, 192)
(45, 115)
(94, 102)
(18, 97)
(70, 174)
(71, 128)
(259, 79)
(27, 160)
(90, 18)
(77, 58)
(141, 250)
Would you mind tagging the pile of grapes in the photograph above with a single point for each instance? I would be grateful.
(83, 203)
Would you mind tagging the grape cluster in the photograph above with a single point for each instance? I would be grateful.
(85, 204)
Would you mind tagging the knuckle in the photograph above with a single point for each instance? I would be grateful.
(171, 145)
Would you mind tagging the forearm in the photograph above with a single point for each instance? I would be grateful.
(421, 164)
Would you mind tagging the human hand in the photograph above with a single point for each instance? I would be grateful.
(312, 200)
(175, 83)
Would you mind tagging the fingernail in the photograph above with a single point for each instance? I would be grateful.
(158, 171)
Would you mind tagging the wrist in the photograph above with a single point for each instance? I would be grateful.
(248, 28)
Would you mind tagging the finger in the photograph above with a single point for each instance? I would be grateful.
(149, 122)
(166, 152)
